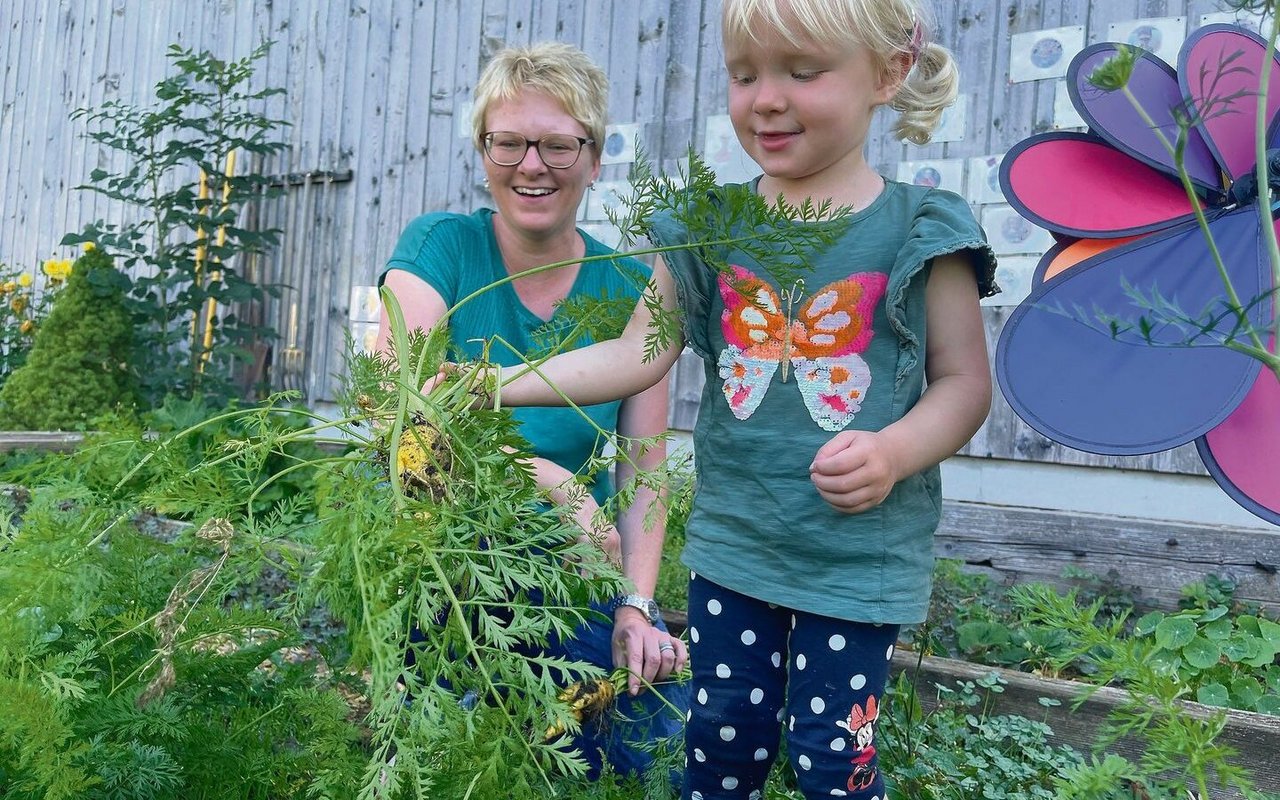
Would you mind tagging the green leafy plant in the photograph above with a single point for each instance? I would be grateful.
(187, 241)
(78, 366)
(1182, 751)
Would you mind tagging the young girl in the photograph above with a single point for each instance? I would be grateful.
(817, 445)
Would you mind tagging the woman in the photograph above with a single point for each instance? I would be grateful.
(539, 116)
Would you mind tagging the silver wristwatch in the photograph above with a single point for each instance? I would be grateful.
(646, 606)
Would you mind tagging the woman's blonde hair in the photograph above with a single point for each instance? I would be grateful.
(560, 71)
(886, 28)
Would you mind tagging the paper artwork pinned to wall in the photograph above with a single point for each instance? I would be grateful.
(619, 145)
(983, 185)
(364, 336)
(366, 305)
(1010, 234)
(1245, 19)
(1065, 114)
(607, 196)
(940, 173)
(462, 119)
(1013, 276)
(723, 154)
(1162, 36)
(1037, 55)
(951, 126)
(604, 233)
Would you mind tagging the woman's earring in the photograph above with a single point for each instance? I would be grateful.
(485, 184)
(591, 185)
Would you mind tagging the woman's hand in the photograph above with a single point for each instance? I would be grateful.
(648, 653)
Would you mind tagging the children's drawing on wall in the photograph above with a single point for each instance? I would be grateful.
(619, 145)
(1010, 234)
(1064, 111)
(941, 173)
(362, 317)
(1037, 55)
(1162, 36)
(1013, 275)
(607, 196)
(1249, 20)
(723, 154)
(983, 184)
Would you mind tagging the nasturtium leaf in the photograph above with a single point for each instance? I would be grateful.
(1146, 624)
(1217, 612)
(1245, 692)
(1175, 632)
(1213, 694)
(1219, 629)
(1202, 653)
(1268, 704)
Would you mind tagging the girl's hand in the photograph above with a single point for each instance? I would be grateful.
(854, 471)
(649, 654)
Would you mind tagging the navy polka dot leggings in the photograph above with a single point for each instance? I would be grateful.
(757, 665)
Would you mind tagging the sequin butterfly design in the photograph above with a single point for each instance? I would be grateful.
(823, 341)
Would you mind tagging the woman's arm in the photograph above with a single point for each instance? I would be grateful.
(647, 652)
(602, 372)
(855, 470)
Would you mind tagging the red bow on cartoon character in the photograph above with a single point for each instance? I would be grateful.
(861, 726)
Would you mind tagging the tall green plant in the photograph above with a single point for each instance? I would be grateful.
(186, 248)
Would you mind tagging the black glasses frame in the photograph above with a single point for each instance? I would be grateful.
(487, 139)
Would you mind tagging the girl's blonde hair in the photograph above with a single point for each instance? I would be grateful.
(886, 28)
(560, 71)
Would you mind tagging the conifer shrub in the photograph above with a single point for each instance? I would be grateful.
(78, 368)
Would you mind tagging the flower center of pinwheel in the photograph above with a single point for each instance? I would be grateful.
(1245, 188)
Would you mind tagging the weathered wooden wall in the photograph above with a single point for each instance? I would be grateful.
(379, 89)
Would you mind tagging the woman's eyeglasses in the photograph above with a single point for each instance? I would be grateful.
(557, 150)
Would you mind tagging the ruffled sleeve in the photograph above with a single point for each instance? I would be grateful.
(430, 248)
(694, 279)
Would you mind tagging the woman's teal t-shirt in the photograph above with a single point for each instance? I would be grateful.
(458, 254)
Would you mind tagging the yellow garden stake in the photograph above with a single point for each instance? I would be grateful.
(216, 275)
(202, 195)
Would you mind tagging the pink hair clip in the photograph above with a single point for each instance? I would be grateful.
(917, 40)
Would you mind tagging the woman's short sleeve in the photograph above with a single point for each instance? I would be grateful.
(694, 280)
(431, 248)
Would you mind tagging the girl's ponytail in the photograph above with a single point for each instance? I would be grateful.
(930, 86)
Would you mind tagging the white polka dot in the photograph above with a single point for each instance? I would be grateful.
(836, 642)
(699, 755)
(773, 605)
(857, 681)
(694, 636)
(714, 607)
(748, 637)
(841, 793)
(702, 696)
(762, 755)
(779, 715)
(722, 671)
(804, 762)
(729, 783)
(793, 622)
(888, 655)
(696, 796)
(791, 723)
(755, 795)
(727, 733)
(838, 744)
(688, 715)
(777, 659)
(693, 576)
(801, 661)
(817, 705)
(757, 695)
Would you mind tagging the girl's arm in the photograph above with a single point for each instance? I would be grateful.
(638, 645)
(604, 371)
(855, 470)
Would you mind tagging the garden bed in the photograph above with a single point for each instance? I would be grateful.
(1256, 737)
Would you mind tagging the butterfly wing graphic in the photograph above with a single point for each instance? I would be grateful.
(833, 329)
(754, 327)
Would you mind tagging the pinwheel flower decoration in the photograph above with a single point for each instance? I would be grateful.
(1141, 333)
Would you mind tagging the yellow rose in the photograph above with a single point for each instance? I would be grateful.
(27, 326)
(24, 280)
(18, 304)
(58, 269)
(89, 247)
(8, 286)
